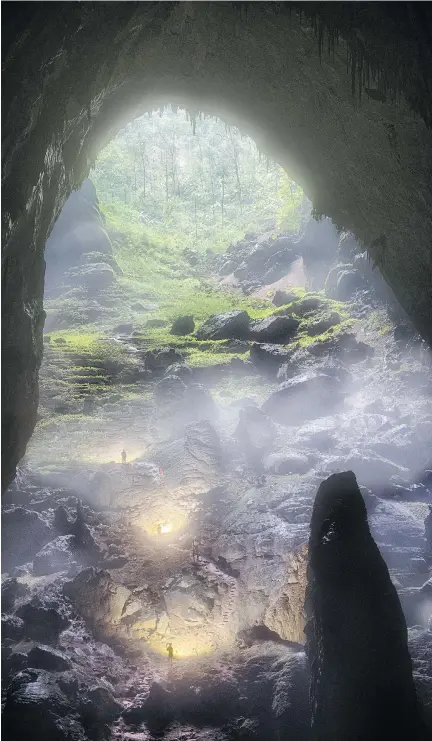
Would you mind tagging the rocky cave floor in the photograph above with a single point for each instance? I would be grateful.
(93, 593)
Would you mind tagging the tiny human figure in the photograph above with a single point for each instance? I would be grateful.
(159, 529)
(170, 652)
(195, 550)
(123, 456)
(161, 473)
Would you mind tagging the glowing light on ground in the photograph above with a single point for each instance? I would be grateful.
(163, 522)
(185, 646)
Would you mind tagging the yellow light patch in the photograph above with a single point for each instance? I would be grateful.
(185, 646)
(163, 522)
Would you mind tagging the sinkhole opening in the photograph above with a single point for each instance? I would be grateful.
(212, 348)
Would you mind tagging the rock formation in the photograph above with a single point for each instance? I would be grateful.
(285, 614)
(58, 116)
(361, 673)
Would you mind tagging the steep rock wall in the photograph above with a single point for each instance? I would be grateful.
(73, 74)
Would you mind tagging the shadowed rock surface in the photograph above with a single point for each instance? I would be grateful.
(361, 672)
(58, 116)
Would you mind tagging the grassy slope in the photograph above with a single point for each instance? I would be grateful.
(82, 365)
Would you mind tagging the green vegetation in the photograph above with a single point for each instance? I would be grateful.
(194, 183)
(164, 190)
(291, 199)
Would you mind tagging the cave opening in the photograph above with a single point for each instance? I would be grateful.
(211, 353)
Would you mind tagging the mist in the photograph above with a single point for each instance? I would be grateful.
(213, 351)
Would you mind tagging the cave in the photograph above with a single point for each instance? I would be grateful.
(339, 95)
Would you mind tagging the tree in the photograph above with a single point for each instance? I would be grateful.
(192, 176)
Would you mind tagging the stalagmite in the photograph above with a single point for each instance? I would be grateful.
(361, 675)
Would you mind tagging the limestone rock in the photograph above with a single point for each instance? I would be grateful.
(268, 358)
(11, 590)
(304, 397)
(181, 370)
(55, 556)
(35, 703)
(231, 325)
(99, 706)
(255, 432)
(183, 325)
(123, 328)
(24, 532)
(360, 688)
(46, 657)
(290, 703)
(285, 613)
(12, 627)
(169, 389)
(42, 623)
(280, 329)
(97, 598)
(195, 459)
(281, 298)
(161, 358)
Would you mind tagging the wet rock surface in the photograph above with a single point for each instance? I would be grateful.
(231, 325)
(363, 688)
(198, 538)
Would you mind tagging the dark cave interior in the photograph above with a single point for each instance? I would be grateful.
(340, 94)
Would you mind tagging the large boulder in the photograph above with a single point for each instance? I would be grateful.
(256, 434)
(54, 556)
(12, 590)
(281, 298)
(279, 329)
(361, 672)
(94, 277)
(181, 370)
(199, 403)
(24, 532)
(231, 325)
(36, 707)
(348, 282)
(46, 657)
(159, 359)
(268, 358)
(42, 623)
(308, 396)
(99, 706)
(12, 628)
(183, 325)
(169, 389)
(97, 598)
(195, 460)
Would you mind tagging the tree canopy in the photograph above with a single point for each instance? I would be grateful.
(196, 178)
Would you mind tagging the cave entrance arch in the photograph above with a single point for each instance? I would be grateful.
(73, 74)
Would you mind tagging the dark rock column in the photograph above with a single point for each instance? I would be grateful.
(361, 674)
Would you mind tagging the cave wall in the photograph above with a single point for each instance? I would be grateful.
(74, 73)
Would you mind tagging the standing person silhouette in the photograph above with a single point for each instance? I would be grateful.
(123, 456)
(170, 652)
